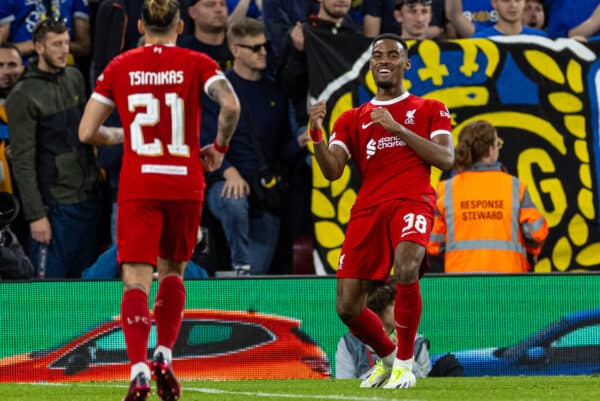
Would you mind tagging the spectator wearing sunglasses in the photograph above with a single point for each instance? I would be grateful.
(261, 143)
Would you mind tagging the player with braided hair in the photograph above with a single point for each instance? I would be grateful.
(155, 89)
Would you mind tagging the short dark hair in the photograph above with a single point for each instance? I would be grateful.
(10, 45)
(400, 3)
(391, 36)
(43, 27)
(381, 297)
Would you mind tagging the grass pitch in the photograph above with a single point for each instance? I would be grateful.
(551, 388)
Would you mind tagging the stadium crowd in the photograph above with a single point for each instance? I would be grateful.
(65, 191)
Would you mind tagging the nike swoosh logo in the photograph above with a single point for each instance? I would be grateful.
(407, 233)
(365, 126)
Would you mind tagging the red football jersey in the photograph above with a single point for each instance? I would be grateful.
(389, 169)
(156, 91)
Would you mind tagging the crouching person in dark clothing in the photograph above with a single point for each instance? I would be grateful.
(14, 264)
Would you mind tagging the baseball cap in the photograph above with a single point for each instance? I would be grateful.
(400, 3)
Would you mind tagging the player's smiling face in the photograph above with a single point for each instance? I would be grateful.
(388, 62)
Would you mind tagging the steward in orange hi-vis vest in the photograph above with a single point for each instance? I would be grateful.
(486, 222)
(485, 219)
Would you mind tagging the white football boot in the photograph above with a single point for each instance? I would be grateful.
(401, 378)
(376, 376)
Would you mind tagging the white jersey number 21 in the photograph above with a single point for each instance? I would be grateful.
(150, 118)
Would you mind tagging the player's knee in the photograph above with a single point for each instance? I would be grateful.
(405, 272)
(345, 316)
(236, 207)
(346, 311)
(133, 285)
(407, 263)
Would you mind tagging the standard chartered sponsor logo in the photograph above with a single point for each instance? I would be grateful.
(390, 142)
(383, 143)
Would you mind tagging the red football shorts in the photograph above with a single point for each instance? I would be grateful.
(148, 228)
(372, 236)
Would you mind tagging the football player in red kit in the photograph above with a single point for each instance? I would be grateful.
(156, 91)
(393, 140)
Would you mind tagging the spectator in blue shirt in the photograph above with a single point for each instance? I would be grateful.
(588, 29)
(564, 15)
(510, 21)
(18, 17)
(238, 9)
(468, 16)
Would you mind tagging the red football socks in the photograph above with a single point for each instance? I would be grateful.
(168, 309)
(407, 313)
(367, 327)
(135, 321)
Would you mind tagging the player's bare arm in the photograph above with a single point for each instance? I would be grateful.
(91, 129)
(331, 161)
(221, 92)
(439, 151)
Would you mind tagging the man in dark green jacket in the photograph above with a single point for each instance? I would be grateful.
(55, 173)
